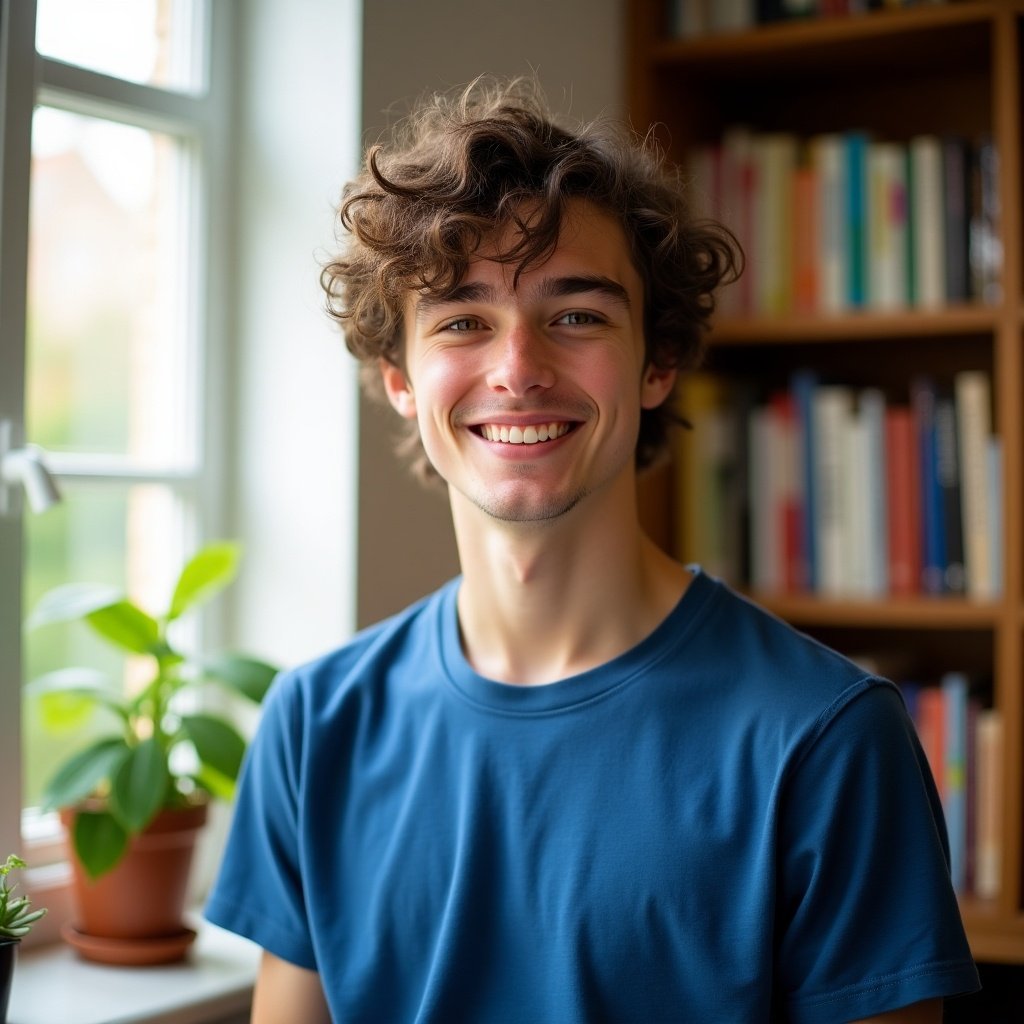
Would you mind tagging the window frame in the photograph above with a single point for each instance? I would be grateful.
(202, 121)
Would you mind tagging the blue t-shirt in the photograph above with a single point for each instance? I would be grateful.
(727, 823)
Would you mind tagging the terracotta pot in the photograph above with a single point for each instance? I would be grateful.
(8, 954)
(143, 897)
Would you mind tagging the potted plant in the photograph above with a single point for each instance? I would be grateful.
(16, 920)
(134, 799)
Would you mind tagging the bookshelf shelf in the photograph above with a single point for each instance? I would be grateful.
(842, 38)
(952, 70)
(861, 326)
(918, 613)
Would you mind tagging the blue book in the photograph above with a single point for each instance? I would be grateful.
(802, 386)
(954, 796)
(855, 151)
(933, 520)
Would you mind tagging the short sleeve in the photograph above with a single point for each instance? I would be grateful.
(867, 917)
(258, 892)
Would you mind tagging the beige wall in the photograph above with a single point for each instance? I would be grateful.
(405, 542)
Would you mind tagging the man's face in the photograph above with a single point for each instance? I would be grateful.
(528, 399)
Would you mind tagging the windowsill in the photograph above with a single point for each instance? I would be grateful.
(214, 984)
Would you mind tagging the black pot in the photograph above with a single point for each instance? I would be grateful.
(8, 951)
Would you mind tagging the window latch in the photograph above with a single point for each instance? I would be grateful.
(24, 466)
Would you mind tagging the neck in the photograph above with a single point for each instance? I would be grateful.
(543, 601)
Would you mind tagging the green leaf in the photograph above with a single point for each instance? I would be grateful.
(99, 841)
(79, 776)
(214, 783)
(139, 786)
(127, 626)
(72, 601)
(212, 569)
(247, 676)
(218, 744)
(68, 697)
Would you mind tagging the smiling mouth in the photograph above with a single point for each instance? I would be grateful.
(534, 433)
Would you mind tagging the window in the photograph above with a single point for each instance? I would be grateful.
(113, 147)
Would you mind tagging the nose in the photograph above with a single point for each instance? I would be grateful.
(521, 361)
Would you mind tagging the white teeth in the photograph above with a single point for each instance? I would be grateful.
(523, 435)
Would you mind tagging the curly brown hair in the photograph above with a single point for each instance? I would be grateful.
(466, 164)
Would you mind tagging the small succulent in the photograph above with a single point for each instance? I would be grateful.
(16, 914)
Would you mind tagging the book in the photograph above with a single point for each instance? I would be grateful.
(995, 512)
(927, 221)
(806, 232)
(766, 573)
(803, 385)
(887, 226)
(974, 418)
(872, 415)
(931, 728)
(955, 189)
(832, 407)
(904, 504)
(947, 462)
(855, 146)
(953, 687)
(775, 159)
(985, 242)
(829, 169)
(933, 533)
(737, 213)
(989, 788)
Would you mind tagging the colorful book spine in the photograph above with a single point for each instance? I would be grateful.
(855, 154)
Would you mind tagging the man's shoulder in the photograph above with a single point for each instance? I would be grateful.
(404, 639)
(768, 655)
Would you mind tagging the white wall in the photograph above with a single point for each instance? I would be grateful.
(577, 48)
(292, 496)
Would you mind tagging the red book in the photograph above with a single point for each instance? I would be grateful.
(931, 728)
(903, 479)
(805, 240)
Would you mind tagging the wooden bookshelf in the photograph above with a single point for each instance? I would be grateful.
(952, 68)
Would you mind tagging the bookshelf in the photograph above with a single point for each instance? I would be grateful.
(930, 68)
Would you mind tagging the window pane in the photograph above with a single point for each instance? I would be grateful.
(109, 310)
(153, 42)
(132, 538)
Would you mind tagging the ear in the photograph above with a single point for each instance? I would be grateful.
(398, 389)
(656, 385)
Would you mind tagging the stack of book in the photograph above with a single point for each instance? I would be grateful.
(841, 222)
(832, 490)
(963, 743)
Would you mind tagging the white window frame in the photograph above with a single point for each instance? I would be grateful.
(200, 120)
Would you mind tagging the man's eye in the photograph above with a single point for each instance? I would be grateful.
(465, 323)
(578, 318)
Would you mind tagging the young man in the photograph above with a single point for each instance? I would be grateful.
(581, 782)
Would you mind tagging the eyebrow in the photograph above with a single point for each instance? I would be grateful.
(549, 288)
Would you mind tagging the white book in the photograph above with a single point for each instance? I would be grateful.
(887, 226)
(928, 220)
(872, 414)
(974, 427)
(831, 409)
(855, 508)
(828, 161)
